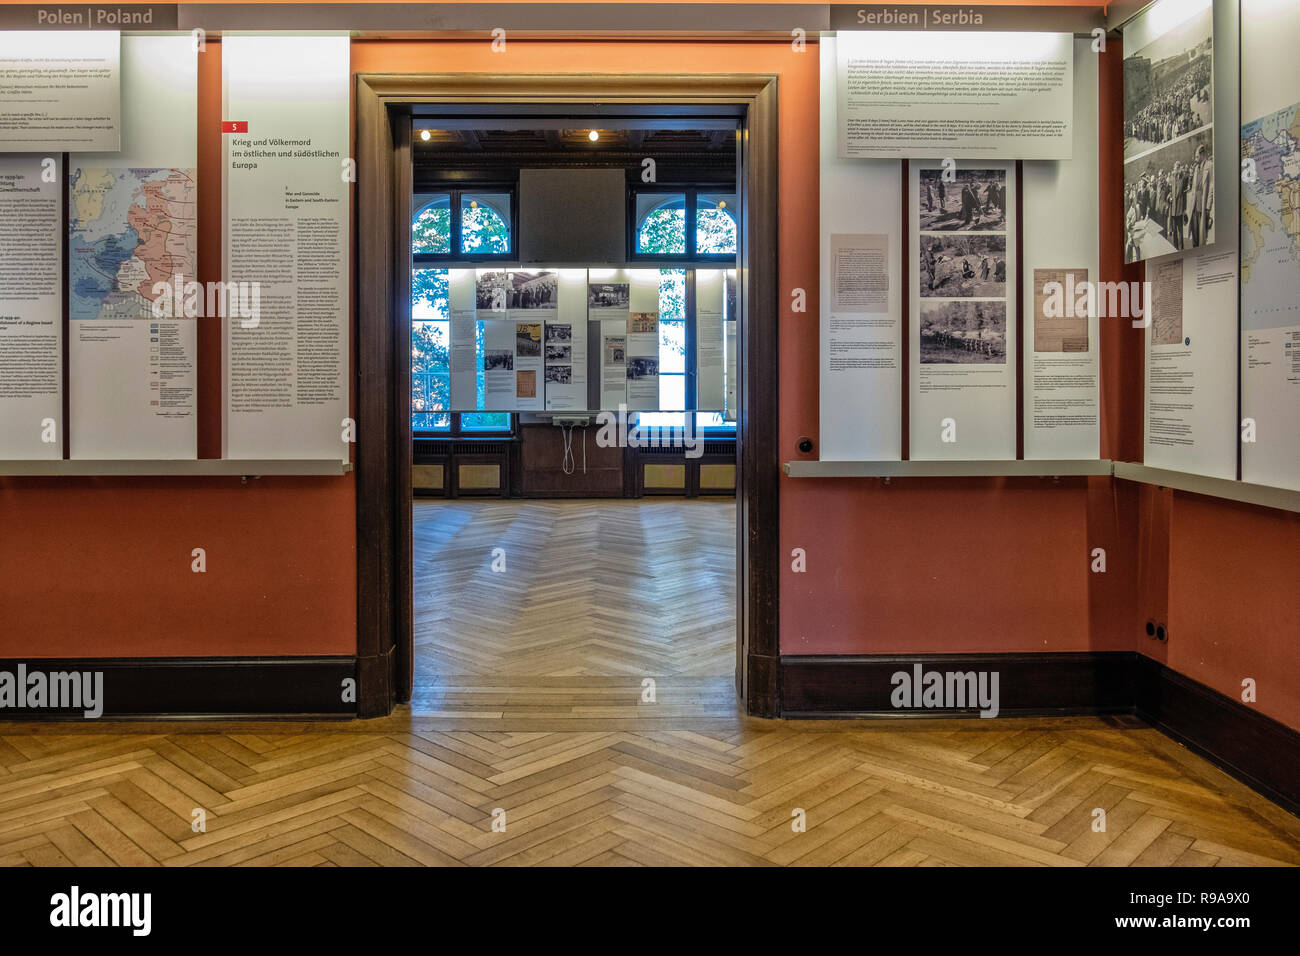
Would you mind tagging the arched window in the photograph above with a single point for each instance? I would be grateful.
(431, 228)
(715, 225)
(454, 224)
(661, 224)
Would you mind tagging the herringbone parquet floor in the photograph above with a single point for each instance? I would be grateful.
(552, 739)
(1015, 793)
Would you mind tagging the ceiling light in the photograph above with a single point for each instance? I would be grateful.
(425, 135)
(593, 135)
(722, 204)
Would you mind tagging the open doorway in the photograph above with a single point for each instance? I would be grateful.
(623, 571)
(573, 415)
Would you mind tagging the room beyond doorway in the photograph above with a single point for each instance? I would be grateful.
(595, 597)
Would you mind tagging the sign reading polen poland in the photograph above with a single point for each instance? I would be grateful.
(957, 95)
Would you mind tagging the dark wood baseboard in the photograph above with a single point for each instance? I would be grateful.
(202, 688)
(1028, 684)
(1260, 752)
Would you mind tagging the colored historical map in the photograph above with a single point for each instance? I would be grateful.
(1270, 222)
(129, 229)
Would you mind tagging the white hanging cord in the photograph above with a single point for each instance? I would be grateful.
(584, 449)
(568, 464)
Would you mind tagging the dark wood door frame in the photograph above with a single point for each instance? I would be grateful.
(384, 106)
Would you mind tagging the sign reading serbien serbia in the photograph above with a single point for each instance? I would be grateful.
(963, 16)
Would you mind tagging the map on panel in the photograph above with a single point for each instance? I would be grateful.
(128, 229)
(1270, 221)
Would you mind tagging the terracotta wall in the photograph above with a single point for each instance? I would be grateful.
(101, 567)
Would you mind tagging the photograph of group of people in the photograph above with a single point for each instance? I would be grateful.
(559, 353)
(967, 200)
(1169, 142)
(1169, 200)
(964, 267)
(963, 278)
(521, 290)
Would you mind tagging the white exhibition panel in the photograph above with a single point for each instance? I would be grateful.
(286, 229)
(710, 342)
(1191, 380)
(462, 345)
(31, 308)
(962, 320)
(609, 307)
(643, 340)
(1270, 243)
(1191, 391)
(953, 94)
(731, 345)
(565, 345)
(132, 255)
(62, 91)
(860, 322)
(1062, 366)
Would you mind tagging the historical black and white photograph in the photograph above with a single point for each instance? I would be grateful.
(609, 295)
(1168, 86)
(1169, 199)
(532, 290)
(490, 291)
(528, 339)
(969, 267)
(559, 353)
(558, 333)
(974, 201)
(499, 360)
(642, 367)
(559, 374)
(963, 333)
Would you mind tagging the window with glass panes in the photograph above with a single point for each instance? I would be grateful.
(679, 223)
(454, 226)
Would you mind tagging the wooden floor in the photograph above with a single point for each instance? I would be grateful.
(595, 598)
(548, 727)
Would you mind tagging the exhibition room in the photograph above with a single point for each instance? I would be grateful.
(651, 435)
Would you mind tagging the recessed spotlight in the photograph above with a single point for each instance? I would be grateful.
(425, 135)
(593, 135)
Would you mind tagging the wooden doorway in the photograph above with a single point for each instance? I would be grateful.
(385, 105)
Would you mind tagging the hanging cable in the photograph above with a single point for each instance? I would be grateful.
(568, 463)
